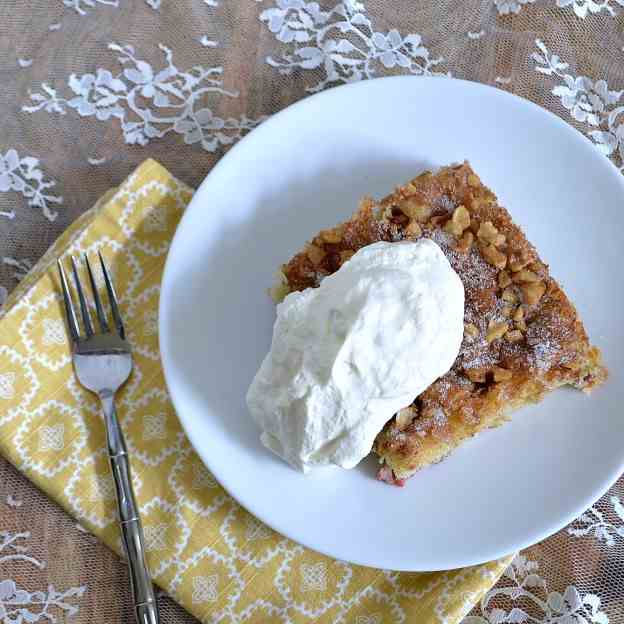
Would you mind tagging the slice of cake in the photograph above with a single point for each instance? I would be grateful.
(522, 335)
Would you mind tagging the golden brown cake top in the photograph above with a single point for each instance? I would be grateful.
(520, 328)
(516, 316)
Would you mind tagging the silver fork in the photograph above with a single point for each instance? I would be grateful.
(103, 363)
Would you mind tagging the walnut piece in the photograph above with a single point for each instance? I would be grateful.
(345, 255)
(533, 292)
(473, 180)
(518, 314)
(517, 264)
(496, 331)
(525, 276)
(415, 209)
(332, 236)
(405, 416)
(521, 325)
(471, 330)
(413, 230)
(507, 311)
(503, 279)
(509, 295)
(465, 242)
(493, 256)
(458, 222)
(489, 234)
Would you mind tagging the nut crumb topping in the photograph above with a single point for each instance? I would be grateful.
(493, 255)
(496, 331)
(471, 330)
(503, 279)
(514, 336)
(509, 295)
(464, 244)
(415, 209)
(332, 236)
(405, 416)
(525, 276)
(533, 292)
(522, 336)
(413, 229)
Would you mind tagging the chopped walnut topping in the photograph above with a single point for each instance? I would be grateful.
(473, 180)
(458, 222)
(503, 279)
(368, 204)
(489, 234)
(501, 374)
(517, 264)
(315, 254)
(476, 374)
(405, 416)
(415, 209)
(525, 276)
(514, 335)
(493, 256)
(533, 292)
(509, 295)
(496, 331)
(461, 216)
(537, 340)
(471, 330)
(465, 242)
(346, 254)
(451, 228)
(332, 236)
(413, 230)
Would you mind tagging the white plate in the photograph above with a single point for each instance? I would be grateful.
(305, 169)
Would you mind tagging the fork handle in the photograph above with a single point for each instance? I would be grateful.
(145, 605)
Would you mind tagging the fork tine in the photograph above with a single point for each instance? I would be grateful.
(69, 308)
(113, 298)
(98, 302)
(86, 319)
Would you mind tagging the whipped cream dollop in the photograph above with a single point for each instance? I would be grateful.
(348, 355)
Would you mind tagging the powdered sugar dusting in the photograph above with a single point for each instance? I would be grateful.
(474, 271)
(482, 306)
(546, 341)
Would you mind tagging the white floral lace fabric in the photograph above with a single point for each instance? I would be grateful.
(91, 88)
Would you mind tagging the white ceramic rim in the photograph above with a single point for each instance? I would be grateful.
(222, 475)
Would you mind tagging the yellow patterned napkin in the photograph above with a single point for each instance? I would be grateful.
(213, 557)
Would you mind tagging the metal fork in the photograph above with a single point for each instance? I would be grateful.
(103, 363)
